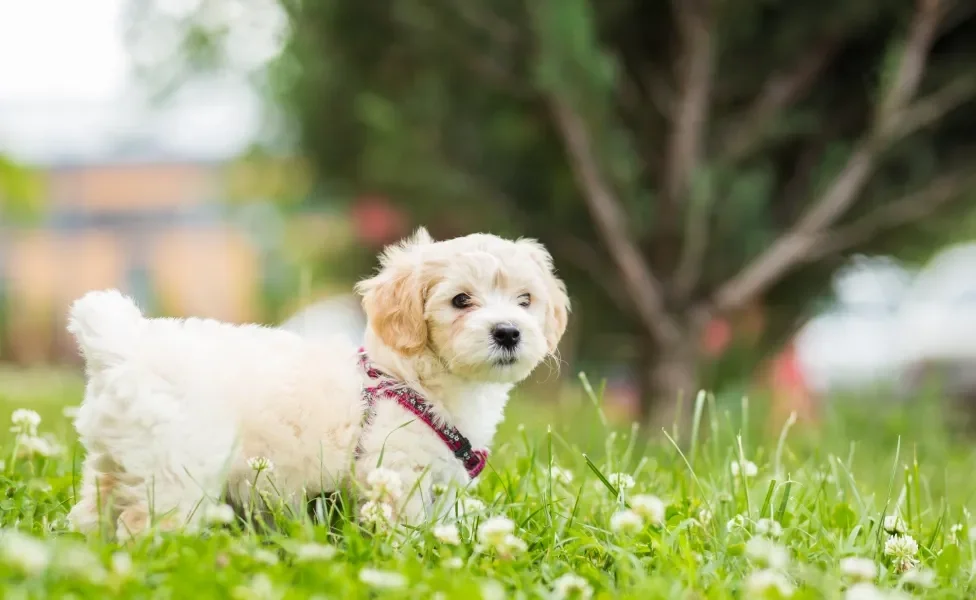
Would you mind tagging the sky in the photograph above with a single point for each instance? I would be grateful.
(67, 94)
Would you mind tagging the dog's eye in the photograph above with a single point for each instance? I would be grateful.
(461, 301)
(525, 300)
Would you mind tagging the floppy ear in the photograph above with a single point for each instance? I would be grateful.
(393, 299)
(557, 311)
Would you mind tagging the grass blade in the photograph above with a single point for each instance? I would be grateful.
(600, 476)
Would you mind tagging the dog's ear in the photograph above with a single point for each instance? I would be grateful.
(393, 299)
(557, 311)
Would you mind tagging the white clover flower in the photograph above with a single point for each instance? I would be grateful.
(859, 568)
(79, 562)
(447, 534)
(902, 550)
(621, 481)
(747, 468)
(25, 421)
(704, 517)
(376, 513)
(498, 534)
(511, 545)
(312, 552)
(265, 556)
(767, 552)
(376, 578)
(259, 588)
(218, 514)
(760, 583)
(493, 590)
(454, 563)
(626, 522)
(923, 578)
(26, 554)
(385, 485)
(736, 522)
(650, 508)
(35, 445)
(260, 464)
(769, 527)
(121, 564)
(571, 585)
(492, 531)
(864, 591)
(893, 524)
(468, 505)
(953, 536)
(561, 475)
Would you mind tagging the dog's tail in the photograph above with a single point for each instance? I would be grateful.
(106, 325)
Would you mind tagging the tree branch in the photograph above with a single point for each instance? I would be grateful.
(778, 92)
(933, 107)
(689, 115)
(694, 247)
(921, 32)
(907, 209)
(690, 109)
(793, 246)
(659, 92)
(640, 283)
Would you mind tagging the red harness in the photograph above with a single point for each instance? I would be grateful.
(388, 387)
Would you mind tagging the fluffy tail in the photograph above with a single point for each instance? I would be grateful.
(106, 326)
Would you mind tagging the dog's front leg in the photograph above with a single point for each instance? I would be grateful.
(417, 505)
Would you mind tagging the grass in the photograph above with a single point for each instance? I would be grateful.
(829, 489)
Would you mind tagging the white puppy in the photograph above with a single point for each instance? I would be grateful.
(174, 409)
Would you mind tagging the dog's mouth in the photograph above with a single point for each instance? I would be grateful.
(506, 360)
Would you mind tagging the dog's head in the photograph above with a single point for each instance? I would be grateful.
(490, 309)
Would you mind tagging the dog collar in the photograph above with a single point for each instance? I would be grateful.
(385, 386)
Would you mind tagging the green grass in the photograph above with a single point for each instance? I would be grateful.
(829, 489)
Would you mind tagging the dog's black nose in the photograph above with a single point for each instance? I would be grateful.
(505, 335)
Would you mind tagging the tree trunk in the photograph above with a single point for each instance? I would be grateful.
(667, 375)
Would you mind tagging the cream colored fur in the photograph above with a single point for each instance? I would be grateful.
(173, 408)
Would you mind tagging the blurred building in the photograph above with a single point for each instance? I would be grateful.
(156, 229)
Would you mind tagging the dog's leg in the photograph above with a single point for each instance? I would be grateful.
(416, 507)
(163, 514)
(167, 503)
(133, 522)
(97, 496)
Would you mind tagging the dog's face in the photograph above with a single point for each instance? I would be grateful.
(490, 309)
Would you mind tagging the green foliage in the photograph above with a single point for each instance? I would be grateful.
(21, 192)
(828, 490)
(447, 108)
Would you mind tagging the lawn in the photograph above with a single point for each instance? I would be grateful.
(873, 504)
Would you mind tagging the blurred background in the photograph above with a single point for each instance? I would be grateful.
(750, 196)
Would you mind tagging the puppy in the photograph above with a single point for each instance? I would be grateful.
(174, 409)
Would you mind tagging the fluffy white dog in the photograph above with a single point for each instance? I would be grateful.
(174, 409)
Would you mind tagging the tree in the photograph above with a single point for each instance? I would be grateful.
(681, 160)
(21, 192)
